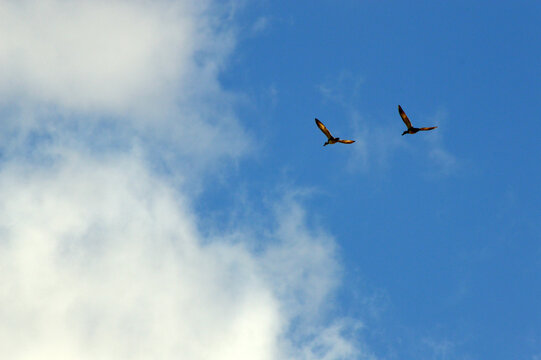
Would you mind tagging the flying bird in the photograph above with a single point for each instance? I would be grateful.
(411, 129)
(331, 139)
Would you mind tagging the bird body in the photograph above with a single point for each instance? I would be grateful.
(411, 129)
(331, 139)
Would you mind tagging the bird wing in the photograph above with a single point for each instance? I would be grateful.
(404, 117)
(323, 128)
(346, 141)
(428, 128)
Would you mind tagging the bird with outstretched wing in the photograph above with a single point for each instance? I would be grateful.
(411, 129)
(331, 139)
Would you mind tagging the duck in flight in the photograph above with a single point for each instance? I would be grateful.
(411, 129)
(331, 139)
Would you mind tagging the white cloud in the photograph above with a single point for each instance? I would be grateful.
(101, 259)
(100, 254)
(147, 70)
(87, 55)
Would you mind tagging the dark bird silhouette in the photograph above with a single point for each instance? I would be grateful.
(411, 129)
(331, 139)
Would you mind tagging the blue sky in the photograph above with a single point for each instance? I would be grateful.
(451, 248)
(165, 191)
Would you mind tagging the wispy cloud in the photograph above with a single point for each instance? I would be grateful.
(442, 349)
(343, 89)
(377, 143)
(261, 24)
(444, 162)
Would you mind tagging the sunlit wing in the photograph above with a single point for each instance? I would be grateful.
(323, 128)
(404, 117)
(346, 141)
(428, 128)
